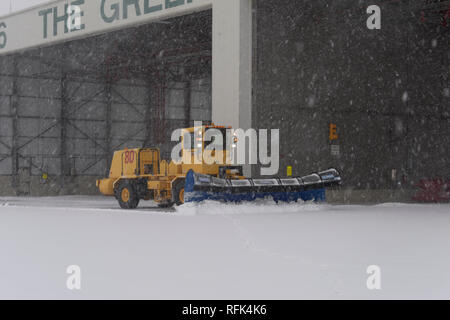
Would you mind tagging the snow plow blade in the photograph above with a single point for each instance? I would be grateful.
(200, 187)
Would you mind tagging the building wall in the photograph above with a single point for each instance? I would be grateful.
(387, 90)
(314, 63)
(66, 108)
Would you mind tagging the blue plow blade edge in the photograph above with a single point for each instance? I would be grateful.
(196, 193)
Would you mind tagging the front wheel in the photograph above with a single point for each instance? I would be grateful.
(178, 193)
(127, 196)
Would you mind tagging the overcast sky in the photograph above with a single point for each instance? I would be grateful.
(17, 5)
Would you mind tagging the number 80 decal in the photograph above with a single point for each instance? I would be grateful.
(129, 157)
(3, 38)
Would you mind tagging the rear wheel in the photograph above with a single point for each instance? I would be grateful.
(177, 195)
(127, 196)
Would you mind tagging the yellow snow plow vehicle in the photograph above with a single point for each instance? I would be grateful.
(140, 174)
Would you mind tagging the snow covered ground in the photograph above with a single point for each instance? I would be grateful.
(217, 251)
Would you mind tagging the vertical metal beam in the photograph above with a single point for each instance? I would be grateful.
(108, 129)
(255, 72)
(148, 116)
(63, 121)
(14, 104)
(232, 65)
(187, 104)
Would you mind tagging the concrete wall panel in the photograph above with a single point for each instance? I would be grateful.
(6, 84)
(34, 107)
(124, 130)
(5, 168)
(133, 94)
(127, 112)
(30, 128)
(92, 111)
(5, 127)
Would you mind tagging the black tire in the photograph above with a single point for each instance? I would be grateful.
(178, 192)
(165, 205)
(127, 196)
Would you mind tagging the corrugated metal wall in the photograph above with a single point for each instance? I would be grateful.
(64, 109)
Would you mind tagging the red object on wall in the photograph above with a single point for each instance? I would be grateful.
(436, 190)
